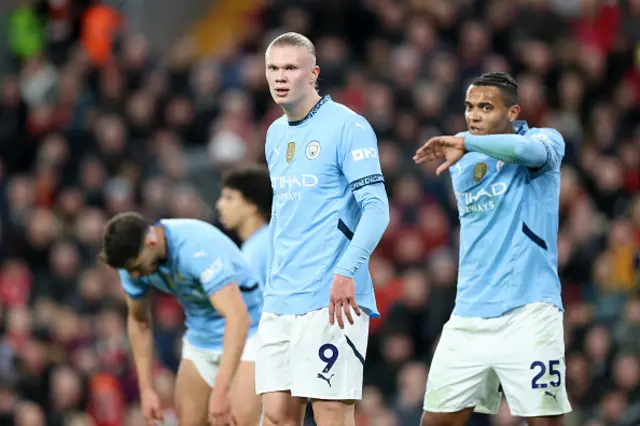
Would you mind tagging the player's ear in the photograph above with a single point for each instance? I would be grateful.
(151, 239)
(514, 112)
(315, 73)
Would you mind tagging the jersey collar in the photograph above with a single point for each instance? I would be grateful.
(323, 100)
(257, 232)
(167, 245)
(521, 127)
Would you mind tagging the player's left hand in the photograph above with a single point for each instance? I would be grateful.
(341, 297)
(220, 409)
(449, 148)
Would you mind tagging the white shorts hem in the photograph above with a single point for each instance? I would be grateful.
(542, 413)
(338, 398)
(454, 410)
(272, 390)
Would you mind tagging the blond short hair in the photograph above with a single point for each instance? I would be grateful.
(295, 40)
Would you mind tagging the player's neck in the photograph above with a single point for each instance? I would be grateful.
(250, 226)
(509, 130)
(299, 111)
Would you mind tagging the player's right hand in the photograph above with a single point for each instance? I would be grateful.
(150, 405)
(448, 148)
(342, 298)
(220, 409)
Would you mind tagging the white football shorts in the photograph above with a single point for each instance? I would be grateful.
(307, 356)
(207, 361)
(521, 353)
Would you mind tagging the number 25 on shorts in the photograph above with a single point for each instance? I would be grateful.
(541, 369)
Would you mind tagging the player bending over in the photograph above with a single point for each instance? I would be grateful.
(330, 210)
(245, 207)
(221, 297)
(507, 325)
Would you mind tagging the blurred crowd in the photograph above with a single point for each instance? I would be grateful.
(90, 128)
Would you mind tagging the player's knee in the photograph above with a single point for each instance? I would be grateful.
(281, 409)
(248, 415)
(334, 413)
(275, 418)
(280, 415)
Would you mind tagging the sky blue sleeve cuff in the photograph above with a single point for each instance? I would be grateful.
(351, 261)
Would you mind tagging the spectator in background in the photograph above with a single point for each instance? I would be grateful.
(101, 24)
(26, 38)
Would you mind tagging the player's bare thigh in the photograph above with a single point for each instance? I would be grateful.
(459, 418)
(191, 396)
(334, 413)
(247, 406)
(462, 417)
(546, 421)
(282, 409)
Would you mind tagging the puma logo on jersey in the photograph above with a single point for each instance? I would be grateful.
(326, 379)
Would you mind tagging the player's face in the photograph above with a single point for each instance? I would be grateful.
(486, 113)
(233, 208)
(146, 263)
(291, 73)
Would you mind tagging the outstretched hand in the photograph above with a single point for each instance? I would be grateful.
(448, 148)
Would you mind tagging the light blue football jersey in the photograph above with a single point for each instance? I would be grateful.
(323, 169)
(255, 251)
(509, 227)
(200, 261)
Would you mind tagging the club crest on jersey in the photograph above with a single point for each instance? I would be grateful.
(313, 150)
(479, 171)
(291, 151)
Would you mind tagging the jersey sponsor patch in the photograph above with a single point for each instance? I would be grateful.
(214, 269)
(362, 153)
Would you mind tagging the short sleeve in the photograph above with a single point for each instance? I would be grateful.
(213, 269)
(358, 154)
(135, 289)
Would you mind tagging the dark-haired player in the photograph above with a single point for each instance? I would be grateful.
(507, 326)
(244, 206)
(204, 269)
